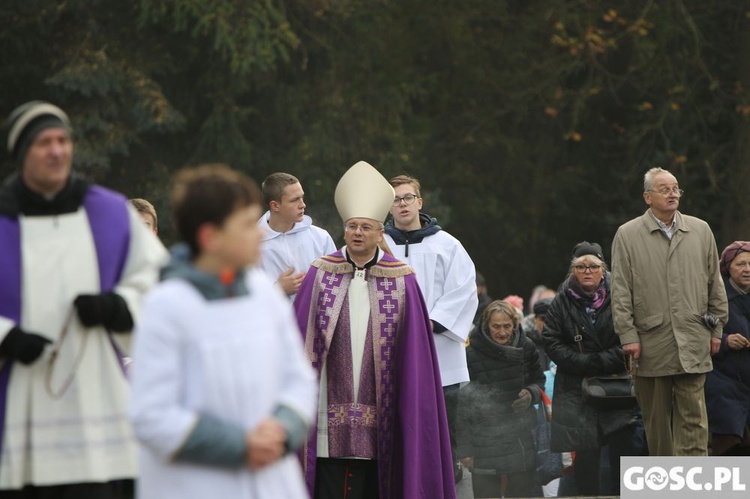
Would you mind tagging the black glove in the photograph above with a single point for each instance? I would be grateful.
(22, 346)
(107, 309)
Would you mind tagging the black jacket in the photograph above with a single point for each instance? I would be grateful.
(575, 425)
(488, 429)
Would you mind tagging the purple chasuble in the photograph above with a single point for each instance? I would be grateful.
(413, 445)
(110, 226)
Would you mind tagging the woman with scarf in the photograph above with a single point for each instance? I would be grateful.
(728, 385)
(496, 417)
(579, 337)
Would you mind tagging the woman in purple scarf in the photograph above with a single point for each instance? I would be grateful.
(579, 337)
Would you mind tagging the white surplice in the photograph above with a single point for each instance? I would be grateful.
(447, 279)
(236, 359)
(84, 436)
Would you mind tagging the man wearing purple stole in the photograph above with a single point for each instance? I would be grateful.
(75, 260)
(382, 430)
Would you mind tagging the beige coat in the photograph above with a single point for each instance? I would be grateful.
(662, 288)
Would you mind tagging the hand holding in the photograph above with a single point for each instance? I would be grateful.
(265, 443)
(290, 282)
(736, 341)
(633, 349)
(522, 402)
(22, 346)
(107, 309)
(715, 345)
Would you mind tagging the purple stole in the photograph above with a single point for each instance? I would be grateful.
(352, 424)
(110, 226)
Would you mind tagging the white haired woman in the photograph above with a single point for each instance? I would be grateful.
(496, 416)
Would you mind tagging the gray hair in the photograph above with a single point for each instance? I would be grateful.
(503, 307)
(648, 178)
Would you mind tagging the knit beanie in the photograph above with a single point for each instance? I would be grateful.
(541, 306)
(587, 248)
(27, 121)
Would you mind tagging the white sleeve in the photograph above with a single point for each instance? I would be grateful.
(160, 422)
(300, 385)
(456, 307)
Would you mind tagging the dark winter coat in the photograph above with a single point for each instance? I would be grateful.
(575, 425)
(728, 385)
(488, 429)
(528, 326)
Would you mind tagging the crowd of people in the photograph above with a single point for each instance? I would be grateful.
(257, 360)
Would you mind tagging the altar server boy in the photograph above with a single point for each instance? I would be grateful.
(222, 392)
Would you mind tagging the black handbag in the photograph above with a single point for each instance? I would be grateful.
(607, 391)
(611, 391)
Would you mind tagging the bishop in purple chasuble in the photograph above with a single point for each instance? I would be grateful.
(399, 416)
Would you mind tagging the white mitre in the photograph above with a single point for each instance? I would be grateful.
(363, 192)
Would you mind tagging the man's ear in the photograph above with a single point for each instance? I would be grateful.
(206, 237)
(274, 206)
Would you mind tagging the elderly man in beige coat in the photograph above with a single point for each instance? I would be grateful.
(669, 307)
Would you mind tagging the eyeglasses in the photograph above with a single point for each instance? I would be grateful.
(408, 199)
(365, 228)
(581, 269)
(667, 191)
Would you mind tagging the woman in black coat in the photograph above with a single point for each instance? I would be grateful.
(579, 337)
(728, 385)
(496, 416)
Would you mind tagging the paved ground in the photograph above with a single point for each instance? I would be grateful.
(464, 491)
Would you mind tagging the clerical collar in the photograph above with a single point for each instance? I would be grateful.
(368, 264)
(18, 198)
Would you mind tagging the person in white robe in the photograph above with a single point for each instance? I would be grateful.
(447, 278)
(222, 393)
(290, 241)
(75, 260)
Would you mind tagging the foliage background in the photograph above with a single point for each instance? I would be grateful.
(529, 122)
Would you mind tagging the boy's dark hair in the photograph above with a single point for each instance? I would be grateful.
(209, 194)
(274, 184)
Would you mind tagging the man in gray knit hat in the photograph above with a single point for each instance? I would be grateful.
(74, 262)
